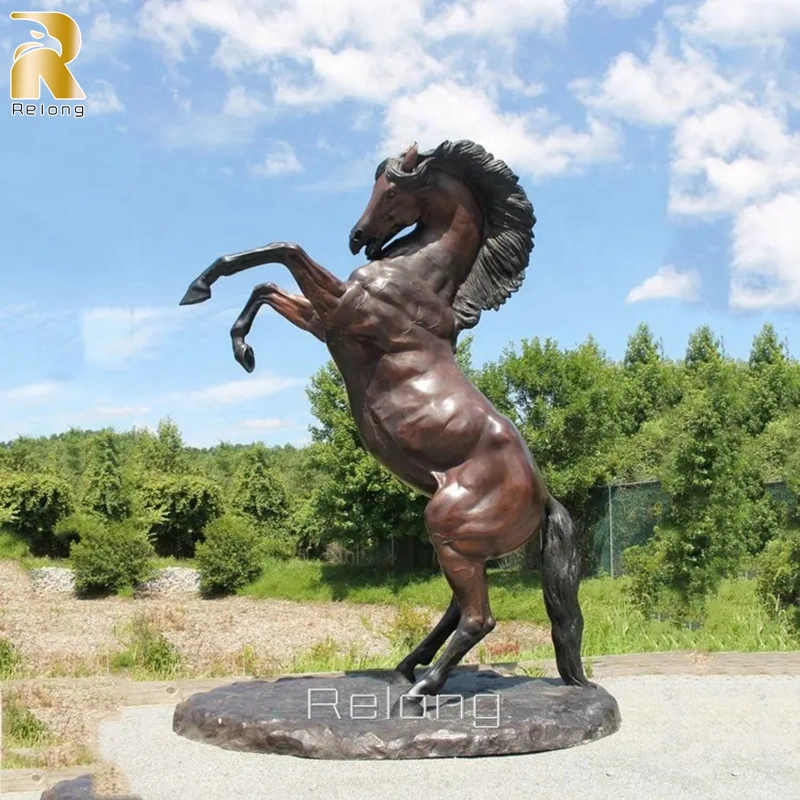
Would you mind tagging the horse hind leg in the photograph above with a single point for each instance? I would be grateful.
(560, 581)
(467, 578)
(427, 649)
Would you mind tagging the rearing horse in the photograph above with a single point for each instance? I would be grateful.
(391, 329)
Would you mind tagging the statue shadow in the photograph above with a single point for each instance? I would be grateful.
(348, 580)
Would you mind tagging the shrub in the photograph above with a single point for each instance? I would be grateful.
(778, 571)
(33, 504)
(231, 555)
(112, 558)
(74, 527)
(178, 508)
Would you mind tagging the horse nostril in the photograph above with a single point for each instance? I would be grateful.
(357, 234)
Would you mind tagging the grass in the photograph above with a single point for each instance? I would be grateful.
(21, 728)
(734, 618)
(11, 665)
(15, 548)
(148, 654)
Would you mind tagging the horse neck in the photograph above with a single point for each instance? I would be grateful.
(450, 239)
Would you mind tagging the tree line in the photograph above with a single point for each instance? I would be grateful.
(714, 430)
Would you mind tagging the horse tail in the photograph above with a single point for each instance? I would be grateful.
(560, 581)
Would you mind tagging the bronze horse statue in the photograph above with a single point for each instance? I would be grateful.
(391, 329)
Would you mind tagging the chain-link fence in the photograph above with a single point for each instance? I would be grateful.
(615, 518)
(782, 494)
(620, 516)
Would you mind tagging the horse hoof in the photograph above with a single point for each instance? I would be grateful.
(245, 356)
(198, 292)
(407, 671)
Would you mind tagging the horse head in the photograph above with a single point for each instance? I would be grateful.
(395, 204)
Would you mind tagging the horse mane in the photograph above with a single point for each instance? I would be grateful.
(508, 220)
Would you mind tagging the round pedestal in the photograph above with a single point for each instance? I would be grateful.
(479, 713)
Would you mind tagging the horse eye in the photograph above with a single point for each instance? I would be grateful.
(391, 193)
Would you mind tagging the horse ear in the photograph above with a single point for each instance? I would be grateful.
(410, 157)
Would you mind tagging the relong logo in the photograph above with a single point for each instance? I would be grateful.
(36, 63)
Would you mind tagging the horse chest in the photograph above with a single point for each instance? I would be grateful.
(379, 303)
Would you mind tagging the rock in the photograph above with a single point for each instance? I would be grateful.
(53, 579)
(169, 581)
(81, 788)
(480, 713)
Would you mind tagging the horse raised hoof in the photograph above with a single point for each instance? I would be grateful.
(244, 354)
(198, 292)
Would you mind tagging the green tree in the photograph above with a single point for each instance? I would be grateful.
(566, 405)
(704, 350)
(360, 502)
(651, 384)
(163, 451)
(773, 387)
(35, 503)
(258, 490)
(176, 509)
(706, 531)
(103, 489)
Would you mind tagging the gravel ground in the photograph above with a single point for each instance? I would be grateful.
(62, 635)
(709, 738)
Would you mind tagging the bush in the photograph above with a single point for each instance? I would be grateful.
(778, 571)
(75, 527)
(112, 558)
(231, 554)
(33, 504)
(177, 508)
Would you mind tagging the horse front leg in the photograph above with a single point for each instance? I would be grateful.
(321, 287)
(298, 310)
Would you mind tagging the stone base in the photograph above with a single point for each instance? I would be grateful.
(480, 713)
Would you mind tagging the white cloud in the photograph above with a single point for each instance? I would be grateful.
(735, 148)
(392, 55)
(657, 91)
(114, 336)
(532, 141)
(32, 392)
(667, 283)
(358, 73)
(106, 37)
(624, 8)
(121, 411)
(499, 17)
(103, 99)
(766, 255)
(238, 391)
(241, 103)
(731, 156)
(267, 425)
(742, 22)
(281, 161)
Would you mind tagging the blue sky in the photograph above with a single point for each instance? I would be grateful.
(659, 143)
